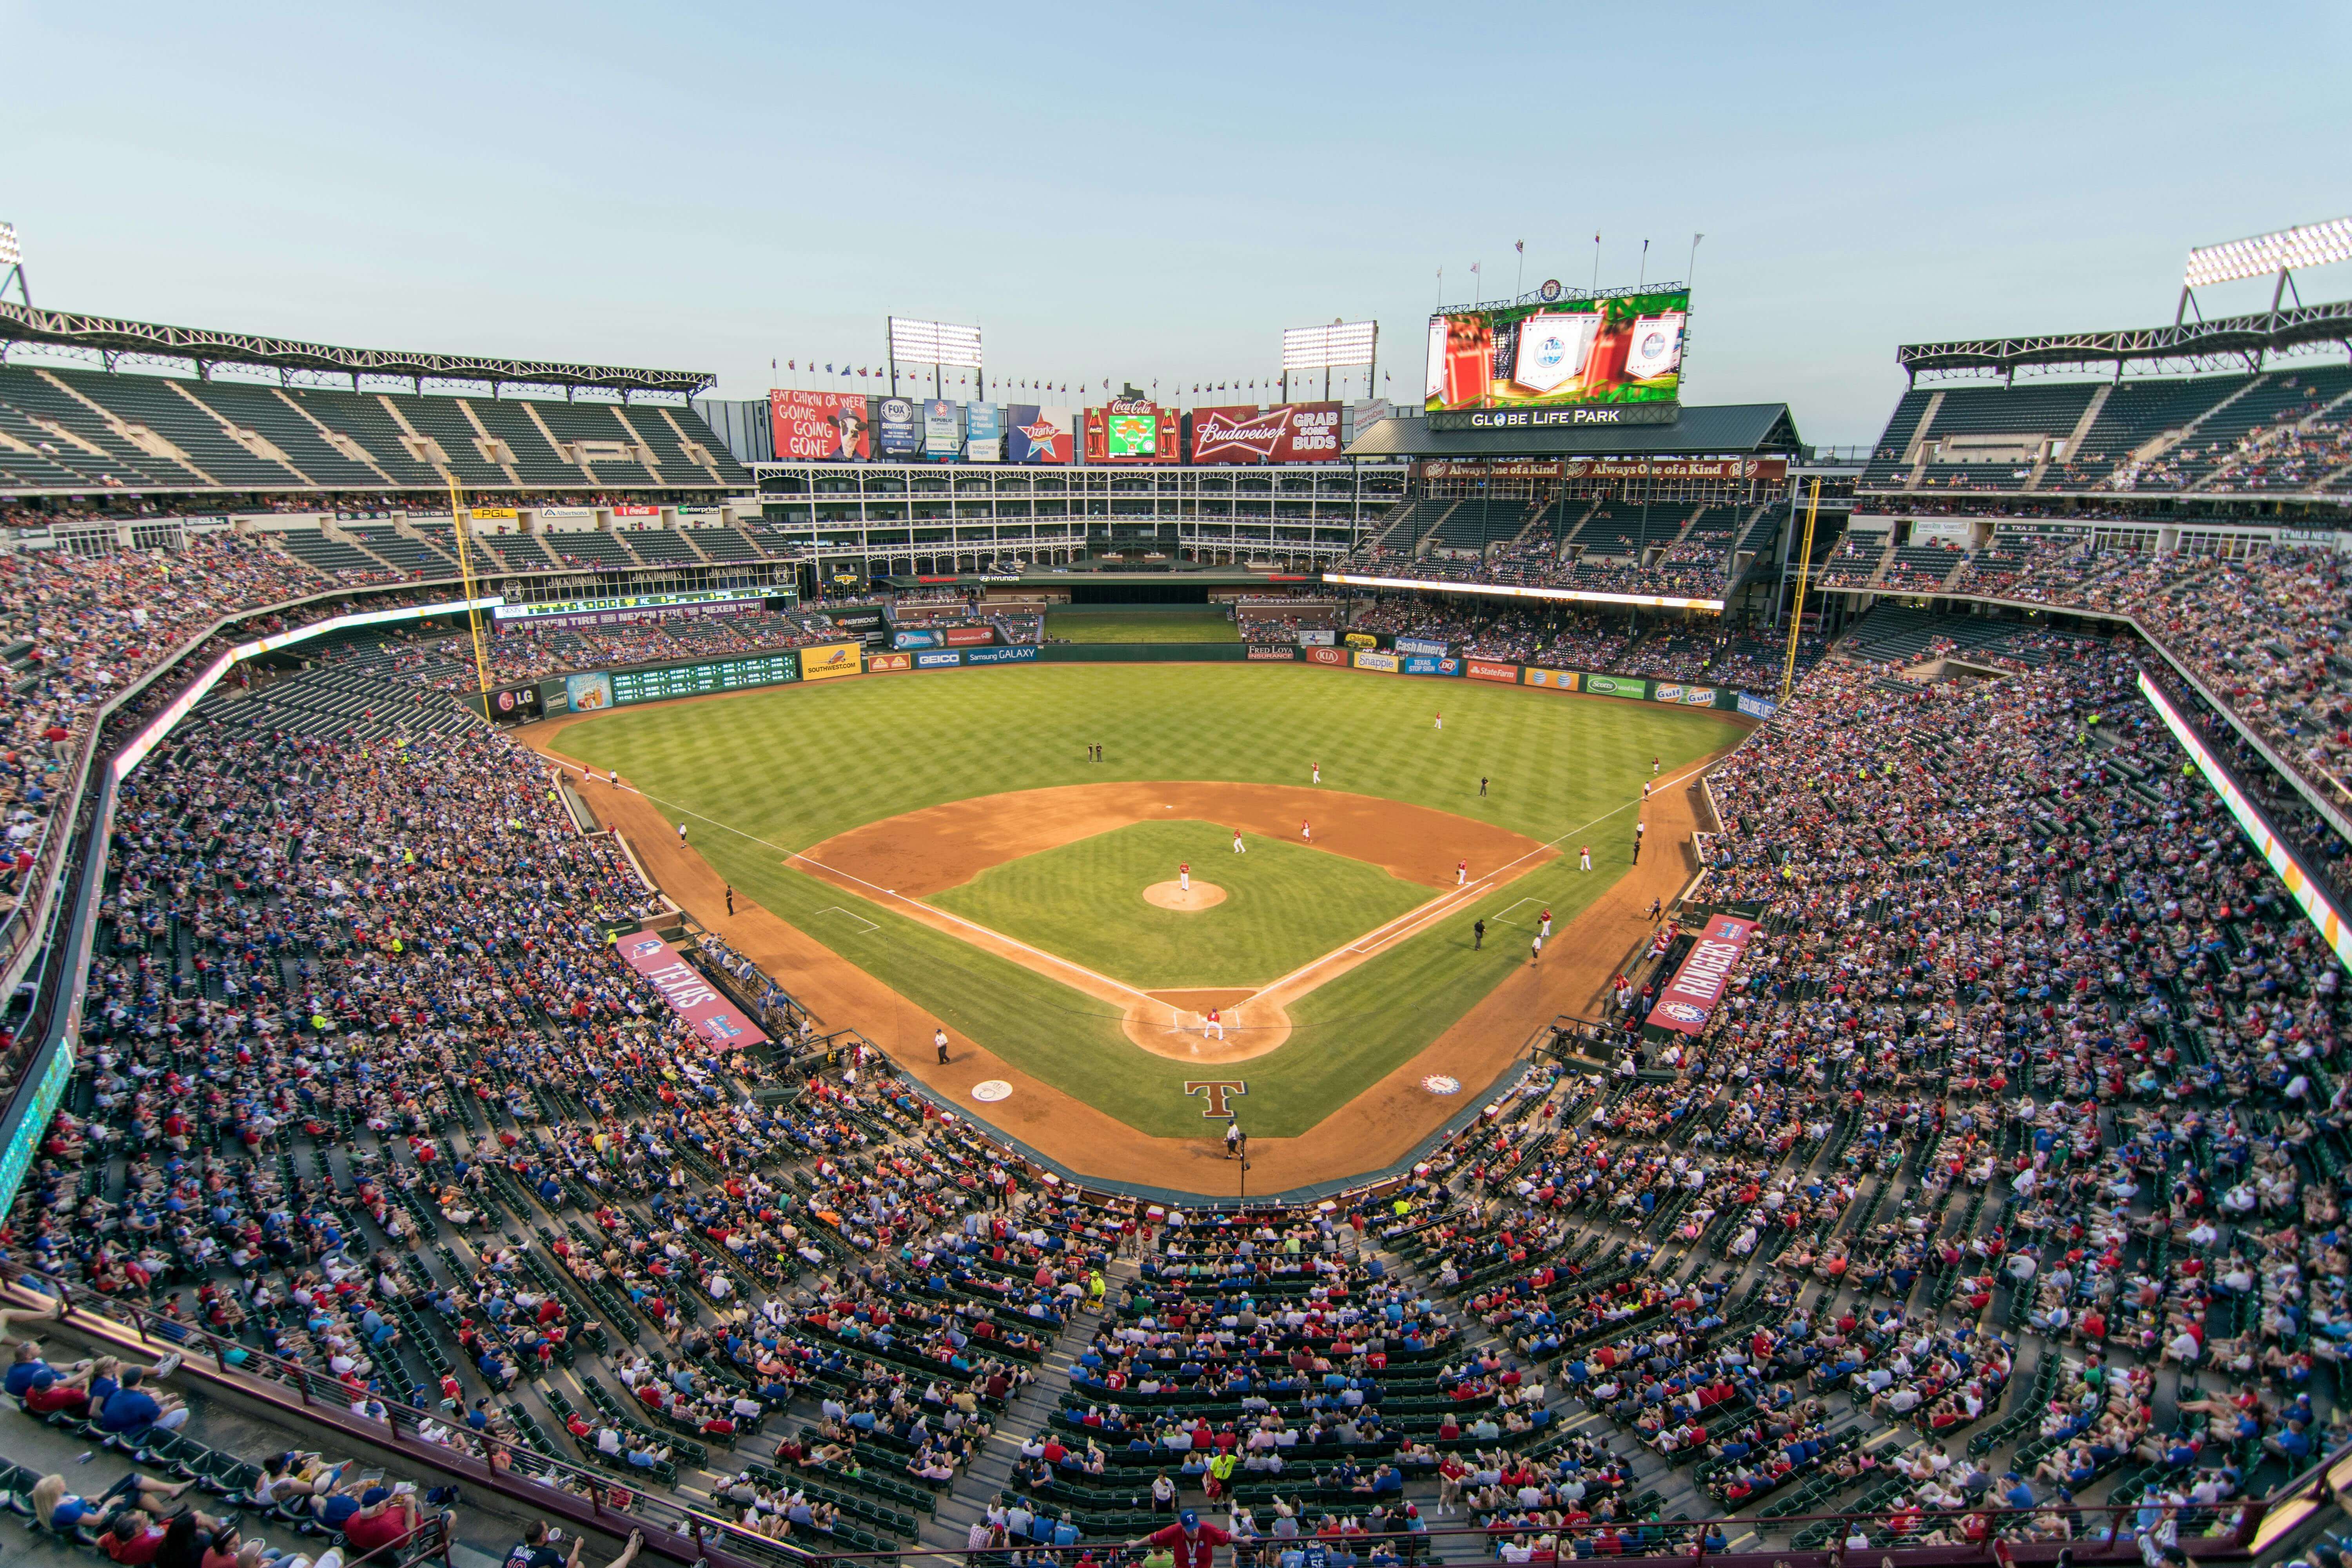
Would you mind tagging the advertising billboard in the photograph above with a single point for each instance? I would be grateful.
(901, 436)
(1034, 434)
(1368, 660)
(983, 433)
(831, 660)
(1625, 348)
(1420, 645)
(820, 426)
(942, 431)
(515, 704)
(1000, 656)
(590, 693)
(1690, 997)
(1290, 433)
(1133, 430)
(1484, 670)
(879, 661)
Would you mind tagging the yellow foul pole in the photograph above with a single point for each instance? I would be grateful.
(1797, 608)
(459, 520)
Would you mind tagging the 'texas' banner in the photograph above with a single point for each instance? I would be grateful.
(1689, 998)
(1291, 433)
(682, 985)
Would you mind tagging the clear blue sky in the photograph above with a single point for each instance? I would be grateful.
(1142, 191)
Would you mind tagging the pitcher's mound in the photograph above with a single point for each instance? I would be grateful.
(1169, 896)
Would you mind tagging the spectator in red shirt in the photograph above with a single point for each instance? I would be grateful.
(384, 1520)
(1195, 1545)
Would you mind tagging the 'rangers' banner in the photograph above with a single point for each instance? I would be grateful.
(693, 997)
(1291, 433)
(1689, 998)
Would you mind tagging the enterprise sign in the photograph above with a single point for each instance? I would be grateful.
(1554, 418)
(1516, 591)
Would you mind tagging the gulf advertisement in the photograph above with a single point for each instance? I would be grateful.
(831, 660)
(1273, 653)
(1036, 433)
(897, 430)
(942, 431)
(819, 426)
(1688, 696)
(1484, 669)
(1690, 997)
(689, 995)
(1133, 430)
(1287, 432)
(983, 433)
(1370, 659)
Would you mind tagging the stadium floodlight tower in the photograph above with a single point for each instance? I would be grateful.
(2280, 252)
(12, 265)
(1334, 347)
(934, 343)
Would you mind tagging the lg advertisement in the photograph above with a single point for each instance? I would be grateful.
(1292, 433)
(1627, 349)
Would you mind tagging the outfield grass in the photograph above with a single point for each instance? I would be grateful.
(1286, 904)
(779, 770)
(1141, 626)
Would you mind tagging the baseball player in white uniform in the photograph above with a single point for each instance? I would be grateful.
(1307, 831)
(1460, 873)
(1316, 769)
(1584, 858)
(1185, 876)
(1441, 720)
(1239, 847)
(1546, 924)
(1212, 1024)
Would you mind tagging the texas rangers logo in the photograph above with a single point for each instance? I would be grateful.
(1683, 1012)
(645, 947)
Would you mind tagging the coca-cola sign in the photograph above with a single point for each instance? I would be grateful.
(1290, 433)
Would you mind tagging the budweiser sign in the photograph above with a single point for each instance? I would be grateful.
(1292, 433)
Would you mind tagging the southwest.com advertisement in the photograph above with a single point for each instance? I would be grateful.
(1628, 349)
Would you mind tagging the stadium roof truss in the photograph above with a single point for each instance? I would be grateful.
(114, 339)
(2224, 341)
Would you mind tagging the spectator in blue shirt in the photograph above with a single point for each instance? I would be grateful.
(132, 1409)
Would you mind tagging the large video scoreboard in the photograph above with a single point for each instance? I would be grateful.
(600, 690)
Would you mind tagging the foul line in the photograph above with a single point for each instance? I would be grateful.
(1413, 921)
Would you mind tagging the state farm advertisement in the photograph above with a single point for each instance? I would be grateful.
(820, 426)
(1292, 433)
(1690, 997)
(1481, 670)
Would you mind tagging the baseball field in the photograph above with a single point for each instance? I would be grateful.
(945, 835)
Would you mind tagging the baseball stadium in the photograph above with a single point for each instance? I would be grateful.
(1245, 975)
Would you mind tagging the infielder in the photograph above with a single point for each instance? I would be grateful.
(1239, 847)
(1645, 789)
(1307, 831)
(1316, 769)
(1584, 858)
(1460, 873)
(1547, 924)
(1212, 1024)
(1185, 876)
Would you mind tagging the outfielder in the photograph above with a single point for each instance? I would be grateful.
(1239, 847)
(1185, 876)
(1584, 858)
(1212, 1024)
(1316, 769)
(1441, 720)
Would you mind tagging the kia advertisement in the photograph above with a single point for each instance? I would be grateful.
(820, 426)
(1034, 434)
(1293, 433)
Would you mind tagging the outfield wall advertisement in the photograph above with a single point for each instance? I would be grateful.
(830, 662)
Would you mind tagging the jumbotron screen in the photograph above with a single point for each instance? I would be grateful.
(1133, 435)
(1628, 349)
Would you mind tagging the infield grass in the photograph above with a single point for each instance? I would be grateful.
(1141, 626)
(770, 771)
(1286, 904)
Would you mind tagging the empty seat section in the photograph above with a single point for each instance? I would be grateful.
(155, 402)
(263, 411)
(412, 556)
(33, 395)
(445, 422)
(364, 417)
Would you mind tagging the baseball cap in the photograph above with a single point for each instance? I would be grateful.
(1189, 1518)
(373, 1496)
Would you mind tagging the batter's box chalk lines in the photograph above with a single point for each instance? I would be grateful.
(845, 914)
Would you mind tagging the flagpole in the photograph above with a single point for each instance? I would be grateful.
(1596, 264)
(1644, 276)
(1519, 279)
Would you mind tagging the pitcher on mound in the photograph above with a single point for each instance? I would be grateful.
(1185, 876)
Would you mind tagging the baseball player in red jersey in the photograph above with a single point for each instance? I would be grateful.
(1584, 858)
(1307, 831)
(1441, 720)
(1212, 1024)
(1316, 768)
(1460, 873)
(1185, 876)
(1547, 922)
(1239, 847)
